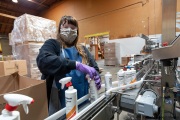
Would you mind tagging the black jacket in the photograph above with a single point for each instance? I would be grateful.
(51, 65)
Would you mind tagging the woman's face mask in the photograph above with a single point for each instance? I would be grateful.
(68, 34)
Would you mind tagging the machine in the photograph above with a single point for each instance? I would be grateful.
(156, 94)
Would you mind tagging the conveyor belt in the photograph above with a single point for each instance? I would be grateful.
(92, 112)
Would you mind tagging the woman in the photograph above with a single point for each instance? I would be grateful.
(64, 58)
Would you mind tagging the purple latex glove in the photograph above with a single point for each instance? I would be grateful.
(97, 80)
(86, 69)
(91, 72)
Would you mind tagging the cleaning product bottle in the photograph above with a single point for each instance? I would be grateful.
(92, 89)
(70, 97)
(108, 81)
(133, 73)
(13, 100)
(128, 76)
(120, 77)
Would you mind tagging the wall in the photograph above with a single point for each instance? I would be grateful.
(122, 18)
(128, 46)
(6, 48)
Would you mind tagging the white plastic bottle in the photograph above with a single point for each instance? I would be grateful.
(70, 98)
(93, 91)
(128, 76)
(108, 81)
(71, 102)
(120, 77)
(133, 73)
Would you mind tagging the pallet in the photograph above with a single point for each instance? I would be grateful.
(122, 65)
(109, 65)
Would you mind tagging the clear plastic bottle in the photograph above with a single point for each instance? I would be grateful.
(93, 91)
(120, 77)
(108, 81)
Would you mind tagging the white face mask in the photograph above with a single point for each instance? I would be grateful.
(68, 34)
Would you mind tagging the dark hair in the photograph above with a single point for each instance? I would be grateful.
(70, 20)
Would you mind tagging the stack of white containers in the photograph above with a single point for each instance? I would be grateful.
(27, 37)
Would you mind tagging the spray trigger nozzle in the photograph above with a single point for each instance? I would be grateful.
(26, 109)
(13, 100)
(65, 81)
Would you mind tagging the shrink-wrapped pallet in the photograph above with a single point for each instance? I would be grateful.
(110, 54)
(32, 28)
(29, 52)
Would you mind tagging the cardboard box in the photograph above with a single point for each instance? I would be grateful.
(125, 60)
(7, 67)
(21, 66)
(12, 66)
(26, 86)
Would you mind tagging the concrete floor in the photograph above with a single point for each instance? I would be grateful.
(113, 70)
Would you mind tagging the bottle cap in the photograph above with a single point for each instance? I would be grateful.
(68, 84)
(70, 88)
(165, 44)
(10, 108)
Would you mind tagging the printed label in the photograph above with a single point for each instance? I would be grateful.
(70, 106)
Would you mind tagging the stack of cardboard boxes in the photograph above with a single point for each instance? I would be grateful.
(110, 54)
(125, 60)
(27, 37)
(12, 66)
(29, 52)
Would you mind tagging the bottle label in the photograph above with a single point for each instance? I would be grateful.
(121, 80)
(128, 78)
(71, 101)
(110, 82)
(120, 77)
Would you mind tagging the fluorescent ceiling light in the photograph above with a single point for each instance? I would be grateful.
(15, 1)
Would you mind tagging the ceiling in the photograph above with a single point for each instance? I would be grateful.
(9, 10)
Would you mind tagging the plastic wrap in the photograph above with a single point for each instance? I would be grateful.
(28, 52)
(32, 28)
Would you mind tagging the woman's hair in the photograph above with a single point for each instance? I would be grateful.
(69, 20)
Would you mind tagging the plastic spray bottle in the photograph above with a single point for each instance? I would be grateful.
(70, 97)
(13, 100)
(92, 89)
(108, 81)
(120, 77)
